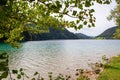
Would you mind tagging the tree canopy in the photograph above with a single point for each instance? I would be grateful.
(115, 15)
(16, 15)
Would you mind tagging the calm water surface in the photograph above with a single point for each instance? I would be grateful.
(59, 56)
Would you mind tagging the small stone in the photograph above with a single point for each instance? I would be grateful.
(77, 74)
(97, 71)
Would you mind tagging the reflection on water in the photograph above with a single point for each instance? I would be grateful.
(59, 56)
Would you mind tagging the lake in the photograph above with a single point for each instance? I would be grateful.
(59, 56)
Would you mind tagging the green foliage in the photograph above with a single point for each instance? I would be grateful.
(111, 70)
(115, 15)
(14, 71)
(100, 38)
(19, 74)
(36, 73)
(3, 66)
(117, 34)
(3, 2)
(15, 15)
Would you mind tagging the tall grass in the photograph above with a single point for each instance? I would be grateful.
(111, 70)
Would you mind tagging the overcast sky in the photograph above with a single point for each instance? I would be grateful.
(101, 14)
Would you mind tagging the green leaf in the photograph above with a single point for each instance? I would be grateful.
(67, 3)
(42, 78)
(1, 35)
(3, 68)
(80, 6)
(21, 69)
(75, 27)
(19, 76)
(58, 4)
(87, 3)
(80, 26)
(36, 73)
(22, 73)
(4, 63)
(85, 22)
(99, 1)
(74, 13)
(4, 74)
(14, 71)
(107, 2)
(60, 15)
(89, 25)
(93, 24)
(92, 10)
(90, 20)
(77, 21)
(3, 56)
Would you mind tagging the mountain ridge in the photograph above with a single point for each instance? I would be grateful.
(51, 35)
(58, 34)
(82, 36)
(107, 34)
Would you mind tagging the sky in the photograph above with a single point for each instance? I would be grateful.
(101, 14)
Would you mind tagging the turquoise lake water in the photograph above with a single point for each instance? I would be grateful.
(59, 56)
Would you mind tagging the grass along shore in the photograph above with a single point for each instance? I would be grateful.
(111, 70)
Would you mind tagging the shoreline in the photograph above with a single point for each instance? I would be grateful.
(111, 70)
(100, 68)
